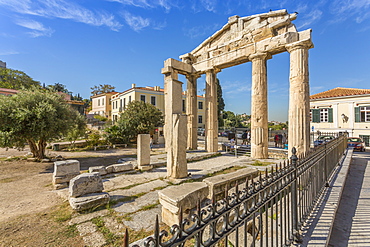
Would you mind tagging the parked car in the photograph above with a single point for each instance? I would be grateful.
(201, 132)
(357, 143)
(322, 139)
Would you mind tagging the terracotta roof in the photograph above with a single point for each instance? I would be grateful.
(340, 91)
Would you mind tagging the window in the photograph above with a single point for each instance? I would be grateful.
(98, 102)
(124, 103)
(102, 101)
(142, 98)
(362, 114)
(200, 119)
(323, 115)
(200, 105)
(183, 105)
(153, 100)
(129, 99)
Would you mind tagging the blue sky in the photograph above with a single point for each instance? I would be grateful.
(83, 43)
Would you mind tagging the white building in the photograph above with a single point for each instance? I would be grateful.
(342, 110)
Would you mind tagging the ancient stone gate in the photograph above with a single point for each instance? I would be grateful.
(253, 39)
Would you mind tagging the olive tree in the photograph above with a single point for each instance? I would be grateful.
(34, 116)
(138, 118)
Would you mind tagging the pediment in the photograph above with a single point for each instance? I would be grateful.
(241, 32)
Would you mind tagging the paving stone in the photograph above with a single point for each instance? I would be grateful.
(95, 239)
(86, 228)
(144, 219)
(86, 217)
(129, 207)
(114, 226)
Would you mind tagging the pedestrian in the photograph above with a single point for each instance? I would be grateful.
(244, 137)
(151, 143)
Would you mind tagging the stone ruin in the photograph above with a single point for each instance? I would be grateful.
(255, 39)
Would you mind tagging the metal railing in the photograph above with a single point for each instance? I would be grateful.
(266, 211)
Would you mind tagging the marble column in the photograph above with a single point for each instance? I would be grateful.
(191, 111)
(211, 112)
(299, 97)
(175, 125)
(259, 115)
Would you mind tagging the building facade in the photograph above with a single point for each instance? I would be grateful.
(2, 64)
(153, 95)
(101, 104)
(342, 110)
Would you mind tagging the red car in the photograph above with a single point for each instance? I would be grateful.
(357, 143)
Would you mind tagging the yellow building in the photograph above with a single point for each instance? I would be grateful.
(153, 95)
(342, 110)
(101, 104)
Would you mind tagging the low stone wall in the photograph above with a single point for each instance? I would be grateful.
(186, 196)
(225, 182)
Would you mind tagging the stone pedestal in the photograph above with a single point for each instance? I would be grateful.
(64, 171)
(192, 111)
(299, 98)
(259, 115)
(211, 112)
(143, 150)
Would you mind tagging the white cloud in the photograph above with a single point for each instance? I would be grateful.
(310, 18)
(209, 5)
(358, 10)
(37, 28)
(166, 4)
(201, 31)
(6, 53)
(62, 9)
(137, 23)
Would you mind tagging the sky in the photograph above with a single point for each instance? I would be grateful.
(83, 43)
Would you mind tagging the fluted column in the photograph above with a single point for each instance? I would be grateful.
(259, 115)
(299, 97)
(191, 111)
(211, 112)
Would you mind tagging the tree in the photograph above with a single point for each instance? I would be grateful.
(138, 118)
(105, 88)
(78, 130)
(34, 116)
(58, 87)
(220, 103)
(15, 79)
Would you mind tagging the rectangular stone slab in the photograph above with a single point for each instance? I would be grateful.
(217, 184)
(89, 201)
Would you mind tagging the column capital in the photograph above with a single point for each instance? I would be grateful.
(303, 44)
(213, 70)
(259, 55)
(192, 76)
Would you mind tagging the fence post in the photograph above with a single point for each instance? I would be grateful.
(295, 231)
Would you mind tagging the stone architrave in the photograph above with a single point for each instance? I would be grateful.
(192, 111)
(143, 150)
(259, 116)
(299, 99)
(211, 112)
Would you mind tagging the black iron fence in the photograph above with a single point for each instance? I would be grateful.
(267, 211)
